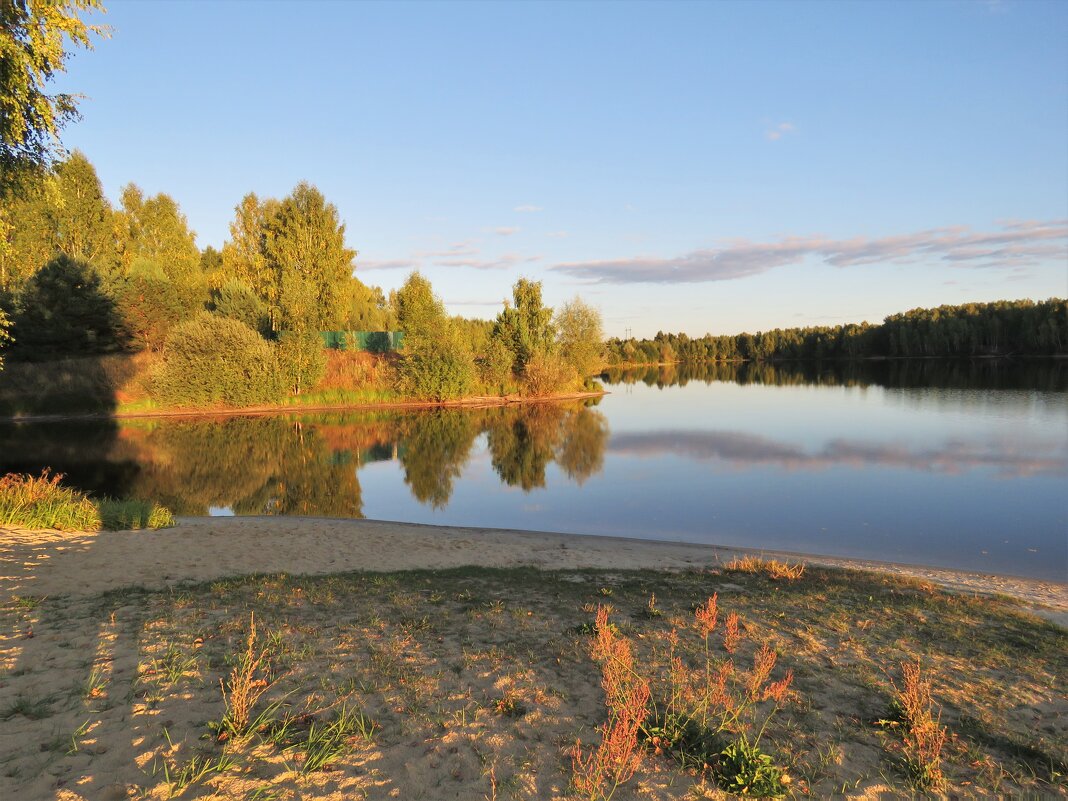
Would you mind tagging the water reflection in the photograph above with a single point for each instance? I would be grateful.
(308, 465)
(1007, 458)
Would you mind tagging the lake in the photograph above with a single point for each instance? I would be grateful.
(960, 465)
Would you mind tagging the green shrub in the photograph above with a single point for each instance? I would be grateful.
(745, 770)
(301, 360)
(211, 360)
(437, 369)
(236, 301)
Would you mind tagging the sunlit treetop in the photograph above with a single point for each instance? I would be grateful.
(35, 41)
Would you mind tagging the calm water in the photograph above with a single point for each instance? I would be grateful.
(962, 465)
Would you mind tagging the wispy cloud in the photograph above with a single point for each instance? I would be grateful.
(507, 261)
(387, 264)
(505, 230)
(779, 131)
(527, 209)
(557, 234)
(1016, 243)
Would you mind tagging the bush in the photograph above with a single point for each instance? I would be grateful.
(301, 360)
(437, 369)
(131, 515)
(236, 300)
(211, 360)
(547, 373)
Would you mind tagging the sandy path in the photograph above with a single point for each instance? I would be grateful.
(53, 563)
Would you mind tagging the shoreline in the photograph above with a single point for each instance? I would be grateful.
(476, 402)
(49, 563)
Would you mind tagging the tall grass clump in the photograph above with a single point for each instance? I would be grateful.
(42, 502)
(249, 679)
(923, 736)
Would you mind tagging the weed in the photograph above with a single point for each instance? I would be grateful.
(95, 683)
(247, 683)
(744, 770)
(41, 502)
(180, 778)
(326, 742)
(510, 706)
(32, 708)
(771, 568)
(922, 734)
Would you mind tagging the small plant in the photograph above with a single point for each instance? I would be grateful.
(510, 706)
(95, 684)
(326, 742)
(180, 778)
(771, 568)
(133, 515)
(743, 769)
(247, 683)
(912, 708)
(173, 666)
(599, 773)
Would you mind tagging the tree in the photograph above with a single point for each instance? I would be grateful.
(580, 337)
(420, 313)
(243, 256)
(527, 327)
(34, 37)
(82, 219)
(236, 300)
(155, 229)
(65, 311)
(307, 262)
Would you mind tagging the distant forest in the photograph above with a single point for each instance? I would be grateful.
(1002, 328)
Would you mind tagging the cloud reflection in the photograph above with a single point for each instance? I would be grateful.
(740, 450)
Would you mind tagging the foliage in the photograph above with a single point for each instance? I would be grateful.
(923, 736)
(149, 306)
(580, 337)
(5, 335)
(154, 229)
(65, 310)
(210, 360)
(236, 300)
(546, 373)
(771, 568)
(249, 679)
(301, 360)
(132, 515)
(971, 329)
(33, 49)
(437, 369)
(420, 313)
(494, 366)
(306, 260)
(365, 308)
(526, 327)
(744, 769)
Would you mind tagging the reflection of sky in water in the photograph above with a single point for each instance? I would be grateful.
(959, 478)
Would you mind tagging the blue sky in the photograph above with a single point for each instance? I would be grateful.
(705, 167)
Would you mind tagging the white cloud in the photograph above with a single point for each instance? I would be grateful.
(557, 234)
(1016, 244)
(507, 261)
(505, 230)
(527, 209)
(388, 264)
(779, 131)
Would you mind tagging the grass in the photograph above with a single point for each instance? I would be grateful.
(42, 502)
(477, 683)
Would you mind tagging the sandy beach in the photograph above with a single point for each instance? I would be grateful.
(456, 663)
(48, 563)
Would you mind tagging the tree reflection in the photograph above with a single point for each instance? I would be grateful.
(436, 446)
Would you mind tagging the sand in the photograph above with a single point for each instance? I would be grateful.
(50, 563)
(98, 692)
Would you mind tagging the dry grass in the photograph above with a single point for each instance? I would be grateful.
(922, 733)
(476, 683)
(769, 567)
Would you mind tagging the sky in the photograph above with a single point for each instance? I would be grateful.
(706, 167)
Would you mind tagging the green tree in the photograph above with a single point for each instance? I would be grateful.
(149, 305)
(420, 313)
(65, 310)
(236, 300)
(155, 229)
(527, 326)
(580, 337)
(34, 37)
(5, 335)
(307, 261)
(27, 235)
(83, 223)
(243, 256)
(301, 360)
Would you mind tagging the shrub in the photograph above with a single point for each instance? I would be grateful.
(131, 515)
(301, 360)
(211, 360)
(236, 300)
(437, 369)
(547, 373)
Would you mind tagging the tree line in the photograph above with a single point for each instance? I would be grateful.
(240, 325)
(1001, 328)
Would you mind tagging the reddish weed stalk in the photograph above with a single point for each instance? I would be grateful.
(247, 683)
(922, 732)
(598, 773)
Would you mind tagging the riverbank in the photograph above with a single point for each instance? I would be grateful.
(457, 664)
(201, 549)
